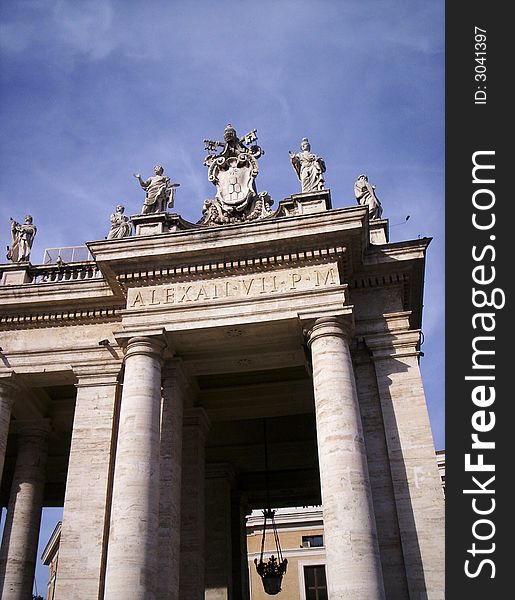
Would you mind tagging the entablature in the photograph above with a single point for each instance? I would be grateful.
(232, 244)
(252, 256)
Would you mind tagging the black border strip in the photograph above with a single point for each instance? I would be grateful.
(474, 127)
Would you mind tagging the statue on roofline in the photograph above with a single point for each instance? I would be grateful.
(22, 235)
(233, 171)
(120, 224)
(160, 191)
(309, 168)
(366, 196)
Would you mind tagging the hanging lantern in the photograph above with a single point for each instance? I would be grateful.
(273, 570)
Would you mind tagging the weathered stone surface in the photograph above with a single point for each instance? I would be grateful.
(379, 231)
(232, 288)
(8, 392)
(218, 584)
(133, 533)
(85, 516)
(353, 561)
(159, 190)
(170, 467)
(309, 168)
(366, 196)
(233, 171)
(15, 274)
(193, 518)
(231, 304)
(120, 224)
(21, 530)
(385, 510)
(416, 481)
(305, 204)
(240, 568)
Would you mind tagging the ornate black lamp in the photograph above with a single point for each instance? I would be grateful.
(273, 570)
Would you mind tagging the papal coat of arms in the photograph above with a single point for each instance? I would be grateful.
(233, 171)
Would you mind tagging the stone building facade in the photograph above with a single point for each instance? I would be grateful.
(50, 558)
(301, 533)
(134, 390)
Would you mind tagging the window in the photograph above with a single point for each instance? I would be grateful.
(315, 583)
(312, 541)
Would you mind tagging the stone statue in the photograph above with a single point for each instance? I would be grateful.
(120, 224)
(233, 172)
(309, 168)
(22, 238)
(366, 196)
(160, 191)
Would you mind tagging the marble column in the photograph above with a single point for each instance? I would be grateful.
(21, 531)
(174, 391)
(8, 392)
(192, 568)
(416, 480)
(83, 546)
(132, 567)
(385, 508)
(218, 532)
(353, 562)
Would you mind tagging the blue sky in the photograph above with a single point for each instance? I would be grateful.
(93, 91)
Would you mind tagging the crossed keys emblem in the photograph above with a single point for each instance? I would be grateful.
(249, 138)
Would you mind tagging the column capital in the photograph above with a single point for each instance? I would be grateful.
(124, 337)
(330, 326)
(95, 375)
(147, 345)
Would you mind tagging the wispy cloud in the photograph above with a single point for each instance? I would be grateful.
(85, 26)
(95, 90)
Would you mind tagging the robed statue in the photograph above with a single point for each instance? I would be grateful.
(366, 196)
(22, 235)
(160, 191)
(309, 168)
(120, 224)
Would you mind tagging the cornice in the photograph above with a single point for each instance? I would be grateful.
(60, 318)
(223, 268)
(232, 236)
(231, 243)
(69, 358)
(404, 250)
(103, 373)
(395, 344)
